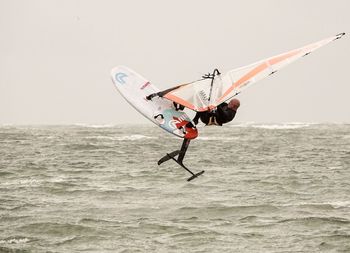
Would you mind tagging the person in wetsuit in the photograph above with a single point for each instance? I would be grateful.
(224, 113)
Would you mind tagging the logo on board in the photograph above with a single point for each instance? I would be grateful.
(120, 77)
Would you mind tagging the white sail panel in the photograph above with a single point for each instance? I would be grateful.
(194, 96)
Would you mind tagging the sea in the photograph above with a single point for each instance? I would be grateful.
(91, 188)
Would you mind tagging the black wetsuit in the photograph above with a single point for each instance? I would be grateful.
(222, 115)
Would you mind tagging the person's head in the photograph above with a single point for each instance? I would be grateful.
(234, 104)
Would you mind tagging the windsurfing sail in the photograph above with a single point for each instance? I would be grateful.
(207, 93)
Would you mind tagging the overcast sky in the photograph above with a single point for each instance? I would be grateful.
(56, 56)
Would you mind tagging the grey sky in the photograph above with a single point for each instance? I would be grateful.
(56, 56)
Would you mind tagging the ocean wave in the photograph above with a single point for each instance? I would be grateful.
(14, 240)
(99, 221)
(217, 138)
(54, 228)
(320, 206)
(6, 173)
(340, 204)
(133, 137)
(94, 126)
(279, 126)
(121, 138)
(249, 218)
(197, 233)
(28, 182)
(229, 209)
(317, 220)
(282, 127)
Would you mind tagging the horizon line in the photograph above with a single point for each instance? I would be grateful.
(150, 123)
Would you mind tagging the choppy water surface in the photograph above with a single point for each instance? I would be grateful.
(267, 188)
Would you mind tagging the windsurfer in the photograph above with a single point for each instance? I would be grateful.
(224, 113)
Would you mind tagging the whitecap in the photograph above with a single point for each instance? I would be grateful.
(287, 125)
(30, 182)
(14, 241)
(281, 126)
(133, 137)
(94, 126)
(339, 204)
(216, 138)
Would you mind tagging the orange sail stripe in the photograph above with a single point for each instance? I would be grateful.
(179, 101)
(280, 58)
(257, 70)
(245, 78)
